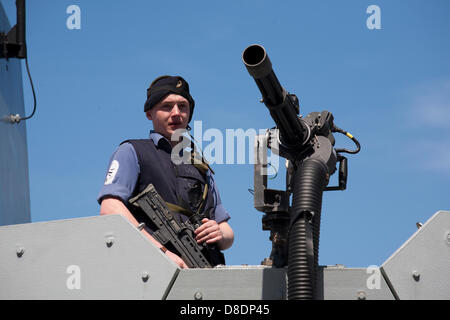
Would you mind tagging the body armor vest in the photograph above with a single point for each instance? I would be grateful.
(182, 185)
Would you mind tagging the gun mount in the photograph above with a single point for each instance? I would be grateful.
(308, 144)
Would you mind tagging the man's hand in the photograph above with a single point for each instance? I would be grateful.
(209, 231)
(212, 232)
(178, 261)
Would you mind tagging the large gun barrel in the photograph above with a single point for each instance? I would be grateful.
(283, 106)
(309, 145)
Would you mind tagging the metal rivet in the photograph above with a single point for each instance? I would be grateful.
(416, 275)
(145, 276)
(109, 242)
(20, 251)
(361, 295)
(198, 295)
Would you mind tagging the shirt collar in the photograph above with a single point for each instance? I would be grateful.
(159, 140)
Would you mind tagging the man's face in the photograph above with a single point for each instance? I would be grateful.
(170, 114)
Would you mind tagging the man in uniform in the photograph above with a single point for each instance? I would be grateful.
(137, 163)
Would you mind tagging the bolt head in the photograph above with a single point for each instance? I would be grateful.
(198, 295)
(361, 295)
(20, 251)
(109, 242)
(145, 276)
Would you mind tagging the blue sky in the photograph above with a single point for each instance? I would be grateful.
(390, 88)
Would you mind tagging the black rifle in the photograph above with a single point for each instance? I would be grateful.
(180, 235)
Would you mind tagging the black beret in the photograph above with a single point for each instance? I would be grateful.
(165, 85)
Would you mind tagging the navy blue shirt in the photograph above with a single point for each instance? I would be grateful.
(124, 171)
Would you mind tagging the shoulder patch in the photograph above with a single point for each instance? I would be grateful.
(112, 172)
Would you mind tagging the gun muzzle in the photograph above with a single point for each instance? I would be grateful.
(260, 68)
(281, 104)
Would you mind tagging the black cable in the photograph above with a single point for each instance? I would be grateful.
(348, 134)
(32, 88)
(17, 118)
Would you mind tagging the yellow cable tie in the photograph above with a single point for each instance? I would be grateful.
(348, 134)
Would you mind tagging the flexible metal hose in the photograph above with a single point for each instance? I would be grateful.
(308, 185)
